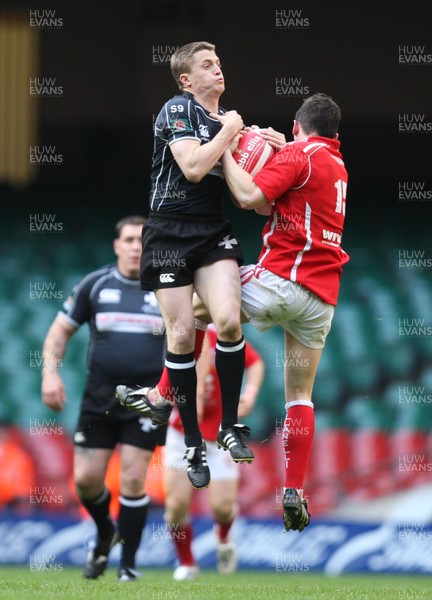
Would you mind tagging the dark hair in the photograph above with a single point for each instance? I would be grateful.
(319, 114)
(130, 220)
(182, 58)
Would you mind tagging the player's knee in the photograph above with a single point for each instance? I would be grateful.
(132, 485)
(87, 484)
(174, 517)
(181, 339)
(228, 326)
(175, 511)
(224, 511)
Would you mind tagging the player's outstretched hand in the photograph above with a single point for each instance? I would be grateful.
(273, 137)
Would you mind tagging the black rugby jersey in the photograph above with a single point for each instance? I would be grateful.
(182, 118)
(127, 336)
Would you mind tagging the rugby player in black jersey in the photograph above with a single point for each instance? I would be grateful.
(126, 344)
(190, 246)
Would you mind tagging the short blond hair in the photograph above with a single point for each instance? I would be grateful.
(182, 58)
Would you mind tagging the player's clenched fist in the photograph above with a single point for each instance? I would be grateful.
(230, 119)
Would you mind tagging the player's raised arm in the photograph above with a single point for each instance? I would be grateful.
(195, 159)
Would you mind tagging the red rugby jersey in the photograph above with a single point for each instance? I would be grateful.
(212, 415)
(307, 181)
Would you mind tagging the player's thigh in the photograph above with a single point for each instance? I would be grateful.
(134, 464)
(90, 465)
(217, 280)
(201, 311)
(300, 367)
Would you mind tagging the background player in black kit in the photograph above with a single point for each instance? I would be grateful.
(126, 344)
(190, 246)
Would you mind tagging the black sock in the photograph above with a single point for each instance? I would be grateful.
(98, 508)
(182, 374)
(230, 361)
(131, 522)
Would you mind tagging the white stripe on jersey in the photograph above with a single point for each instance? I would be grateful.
(157, 178)
(68, 319)
(306, 149)
(307, 246)
(128, 322)
(316, 145)
(268, 234)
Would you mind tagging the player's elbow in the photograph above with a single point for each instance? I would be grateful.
(193, 178)
(244, 203)
(249, 201)
(193, 174)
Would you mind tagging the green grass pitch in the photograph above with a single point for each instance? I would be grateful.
(19, 582)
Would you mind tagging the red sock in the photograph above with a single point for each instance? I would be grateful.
(222, 530)
(297, 441)
(182, 538)
(164, 385)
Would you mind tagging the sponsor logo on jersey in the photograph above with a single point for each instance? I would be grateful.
(204, 132)
(127, 322)
(331, 238)
(180, 124)
(109, 296)
(166, 277)
(228, 242)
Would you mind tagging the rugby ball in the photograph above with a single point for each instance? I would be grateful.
(253, 152)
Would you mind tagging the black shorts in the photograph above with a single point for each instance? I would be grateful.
(103, 422)
(175, 246)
